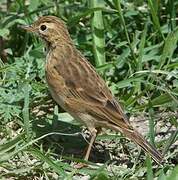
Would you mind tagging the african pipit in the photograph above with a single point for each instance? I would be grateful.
(78, 88)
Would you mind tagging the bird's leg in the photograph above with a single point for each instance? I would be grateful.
(94, 133)
(92, 140)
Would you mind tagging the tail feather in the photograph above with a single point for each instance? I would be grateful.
(145, 145)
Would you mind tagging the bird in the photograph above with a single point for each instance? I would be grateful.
(76, 86)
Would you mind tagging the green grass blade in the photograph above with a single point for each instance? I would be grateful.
(151, 125)
(170, 141)
(118, 7)
(25, 112)
(56, 167)
(174, 174)
(155, 18)
(141, 48)
(76, 19)
(149, 168)
(98, 33)
(167, 97)
(172, 13)
(140, 56)
(162, 176)
(11, 144)
(128, 82)
(169, 47)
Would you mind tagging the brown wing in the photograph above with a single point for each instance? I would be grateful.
(88, 90)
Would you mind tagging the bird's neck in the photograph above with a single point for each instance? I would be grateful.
(62, 50)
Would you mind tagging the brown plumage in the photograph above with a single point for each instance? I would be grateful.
(76, 86)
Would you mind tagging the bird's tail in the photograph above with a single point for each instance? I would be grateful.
(145, 145)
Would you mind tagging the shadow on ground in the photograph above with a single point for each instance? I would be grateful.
(71, 146)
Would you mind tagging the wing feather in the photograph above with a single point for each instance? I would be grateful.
(89, 91)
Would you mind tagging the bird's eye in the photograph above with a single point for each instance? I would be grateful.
(43, 27)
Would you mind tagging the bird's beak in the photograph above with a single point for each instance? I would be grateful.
(28, 28)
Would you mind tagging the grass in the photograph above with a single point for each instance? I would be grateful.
(133, 46)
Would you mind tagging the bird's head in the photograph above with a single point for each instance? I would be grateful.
(49, 28)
